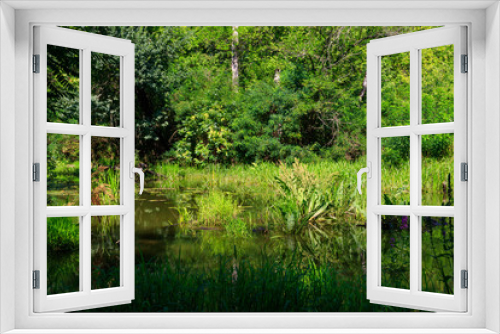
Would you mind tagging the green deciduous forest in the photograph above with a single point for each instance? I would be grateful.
(251, 138)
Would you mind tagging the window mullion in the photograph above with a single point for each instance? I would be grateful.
(86, 167)
(414, 169)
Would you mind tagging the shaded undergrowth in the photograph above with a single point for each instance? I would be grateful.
(243, 286)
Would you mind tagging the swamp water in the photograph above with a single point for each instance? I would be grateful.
(182, 266)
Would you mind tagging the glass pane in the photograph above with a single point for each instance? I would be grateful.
(437, 84)
(105, 89)
(437, 254)
(63, 255)
(395, 89)
(63, 170)
(63, 85)
(396, 252)
(105, 252)
(437, 170)
(395, 180)
(105, 171)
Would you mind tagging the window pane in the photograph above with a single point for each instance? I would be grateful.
(63, 170)
(105, 89)
(63, 85)
(437, 254)
(105, 171)
(437, 84)
(395, 89)
(63, 256)
(437, 170)
(396, 252)
(395, 180)
(105, 252)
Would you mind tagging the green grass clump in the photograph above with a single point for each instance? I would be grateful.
(63, 234)
(304, 200)
(237, 228)
(216, 208)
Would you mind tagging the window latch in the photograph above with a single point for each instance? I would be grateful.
(368, 171)
(139, 171)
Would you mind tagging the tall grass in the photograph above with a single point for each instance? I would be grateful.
(326, 273)
(63, 234)
(216, 208)
(105, 187)
(254, 187)
(267, 286)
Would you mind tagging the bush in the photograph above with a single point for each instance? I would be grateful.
(437, 146)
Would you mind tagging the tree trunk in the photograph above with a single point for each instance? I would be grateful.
(234, 61)
(364, 88)
(277, 76)
(277, 72)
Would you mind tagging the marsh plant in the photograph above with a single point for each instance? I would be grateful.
(105, 185)
(237, 228)
(304, 199)
(63, 234)
(216, 208)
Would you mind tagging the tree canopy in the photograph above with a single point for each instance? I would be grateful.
(300, 92)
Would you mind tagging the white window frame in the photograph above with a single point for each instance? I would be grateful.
(484, 103)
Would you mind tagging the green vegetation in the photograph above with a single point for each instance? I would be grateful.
(298, 91)
(266, 286)
(63, 234)
(201, 251)
(216, 208)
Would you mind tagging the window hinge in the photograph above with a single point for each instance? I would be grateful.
(465, 279)
(36, 63)
(465, 64)
(36, 279)
(464, 171)
(36, 172)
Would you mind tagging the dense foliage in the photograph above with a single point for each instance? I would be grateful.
(300, 91)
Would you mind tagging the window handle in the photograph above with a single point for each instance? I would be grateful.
(368, 171)
(139, 171)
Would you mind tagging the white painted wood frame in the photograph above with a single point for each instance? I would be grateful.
(415, 297)
(16, 250)
(86, 43)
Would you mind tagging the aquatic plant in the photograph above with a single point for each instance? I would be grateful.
(216, 208)
(303, 202)
(265, 286)
(237, 228)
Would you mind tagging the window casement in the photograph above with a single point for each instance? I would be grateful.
(87, 214)
(415, 123)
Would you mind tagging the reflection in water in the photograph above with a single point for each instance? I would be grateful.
(159, 236)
